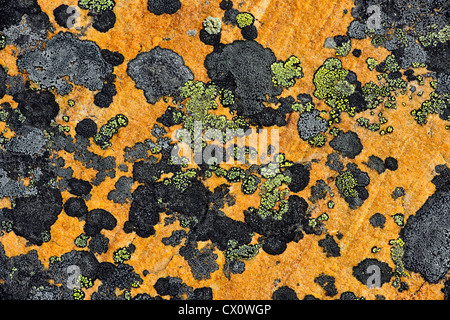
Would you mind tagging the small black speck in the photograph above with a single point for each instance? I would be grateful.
(391, 163)
(356, 53)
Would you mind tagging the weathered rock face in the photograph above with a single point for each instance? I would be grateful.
(95, 188)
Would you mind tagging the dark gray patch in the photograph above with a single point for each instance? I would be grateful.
(426, 237)
(28, 140)
(319, 191)
(66, 56)
(330, 246)
(347, 143)
(443, 85)
(122, 191)
(377, 220)
(398, 193)
(245, 68)
(159, 72)
(310, 124)
(175, 238)
(174, 287)
(376, 164)
(3, 81)
(158, 131)
(334, 162)
(24, 36)
(327, 283)
(202, 262)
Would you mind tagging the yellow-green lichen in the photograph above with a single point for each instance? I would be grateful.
(285, 73)
(96, 5)
(244, 19)
(346, 184)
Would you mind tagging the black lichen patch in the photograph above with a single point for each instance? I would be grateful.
(33, 216)
(114, 58)
(98, 244)
(123, 277)
(319, 191)
(446, 290)
(75, 207)
(226, 4)
(327, 283)
(377, 220)
(79, 187)
(244, 67)
(280, 231)
(356, 53)
(368, 267)
(3, 81)
(102, 12)
(97, 220)
(104, 98)
(211, 39)
(144, 212)
(86, 261)
(39, 108)
(436, 54)
(442, 179)
(159, 72)
(230, 16)
(347, 143)
(62, 14)
(347, 295)
(175, 238)
(11, 13)
(284, 293)
(330, 246)
(221, 229)
(249, 32)
(299, 175)
(160, 7)
(86, 128)
(391, 163)
(171, 117)
(274, 246)
(173, 287)
(20, 274)
(204, 293)
(103, 21)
